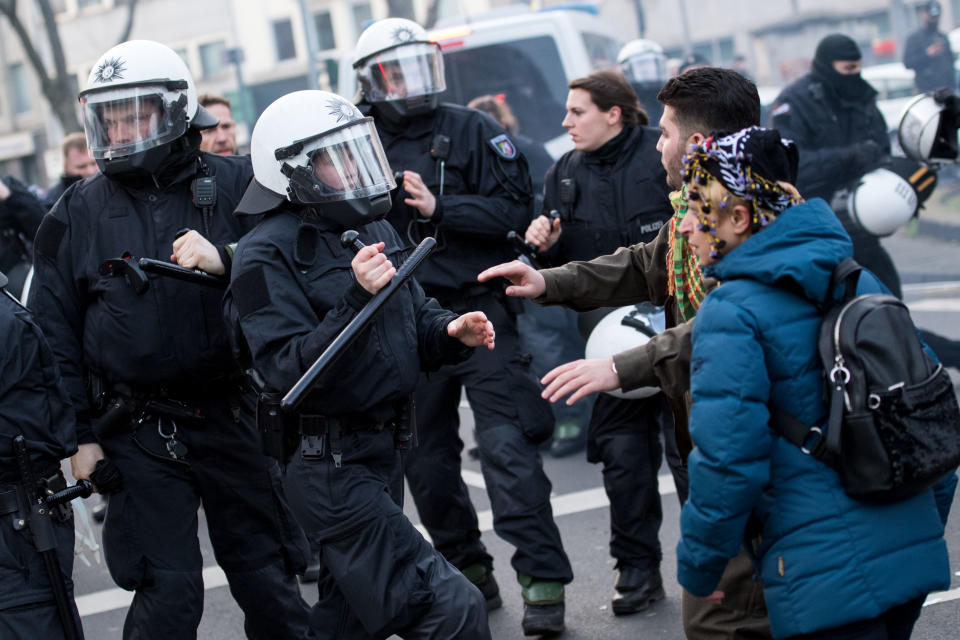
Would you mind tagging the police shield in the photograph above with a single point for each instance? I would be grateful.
(622, 329)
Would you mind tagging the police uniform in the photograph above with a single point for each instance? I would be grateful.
(168, 343)
(293, 291)
(482, 187)
(839, 140)
(20, 216)
(619, 197)
(34, 405)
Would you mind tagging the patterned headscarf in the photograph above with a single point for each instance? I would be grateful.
(749, 164)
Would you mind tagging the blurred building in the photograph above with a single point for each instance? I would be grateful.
(260, 46)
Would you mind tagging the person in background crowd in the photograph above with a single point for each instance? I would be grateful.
(928, 53)
(221, 139)
(77, 165)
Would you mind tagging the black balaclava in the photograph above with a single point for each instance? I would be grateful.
(840, 47)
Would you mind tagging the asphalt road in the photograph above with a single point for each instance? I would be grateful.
(580, 510)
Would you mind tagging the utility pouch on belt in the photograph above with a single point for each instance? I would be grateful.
(405, 433)
(270, 423)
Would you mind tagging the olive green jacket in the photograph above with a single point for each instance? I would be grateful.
(633, 274)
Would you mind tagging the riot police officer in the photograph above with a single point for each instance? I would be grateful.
(320, 170)
(645, 66)
(176, 422)
(465, 183)
(20, 216)
(611, 191)
(33, 405)
(831, 114)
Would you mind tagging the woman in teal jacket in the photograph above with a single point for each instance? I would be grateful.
(832, 567)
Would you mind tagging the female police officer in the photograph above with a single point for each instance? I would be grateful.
(319, 169)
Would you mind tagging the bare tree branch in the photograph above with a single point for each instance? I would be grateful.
(433, 12)
(128, 26)
(9, 9)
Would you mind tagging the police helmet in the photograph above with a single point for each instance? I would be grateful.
(622, 329)
(398, 67)
(643, 61)
(316, 148)
(928, 127)
(140, 97)
(882, 201)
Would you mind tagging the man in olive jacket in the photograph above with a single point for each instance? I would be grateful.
(664, 272)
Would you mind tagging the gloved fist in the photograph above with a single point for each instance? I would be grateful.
(866, 155)
(106, 477)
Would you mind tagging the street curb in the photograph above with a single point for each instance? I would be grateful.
(938, 230)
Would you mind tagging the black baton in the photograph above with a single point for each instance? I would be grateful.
(360, 322)
(44, 539)
(175, 271)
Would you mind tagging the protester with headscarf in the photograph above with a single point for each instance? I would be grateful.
(831, 567)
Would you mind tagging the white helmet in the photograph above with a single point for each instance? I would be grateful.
(928, 128)
(399, 67)
(140, 97)
(316, 148)
(881, 202)
(642, 61)
(622, 329)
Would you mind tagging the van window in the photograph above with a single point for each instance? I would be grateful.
(527, 72)
(602, 50)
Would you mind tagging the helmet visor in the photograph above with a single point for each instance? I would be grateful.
(348, 164)
(648, 67)
(404, 72)
(124, 121)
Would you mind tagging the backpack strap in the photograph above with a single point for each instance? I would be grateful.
(848, 273)
(810, 440)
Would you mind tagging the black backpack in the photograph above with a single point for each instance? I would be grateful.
(894, 422)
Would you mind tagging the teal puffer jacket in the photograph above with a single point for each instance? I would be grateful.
(825, 559)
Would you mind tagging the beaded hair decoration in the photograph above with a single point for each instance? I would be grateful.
(728, 160)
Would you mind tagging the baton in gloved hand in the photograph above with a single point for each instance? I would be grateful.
(360, 322)
(44, 537)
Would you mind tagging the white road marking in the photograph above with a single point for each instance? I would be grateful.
(945, 305)
(567, 504)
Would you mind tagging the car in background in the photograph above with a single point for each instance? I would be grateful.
(524, 57)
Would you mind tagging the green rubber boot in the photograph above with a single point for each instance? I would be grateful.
(542, 606)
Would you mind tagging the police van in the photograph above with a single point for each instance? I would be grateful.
(523, 57)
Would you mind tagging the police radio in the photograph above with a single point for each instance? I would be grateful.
(568, 195)
(440, 150)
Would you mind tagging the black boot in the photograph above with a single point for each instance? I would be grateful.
(636, 589)
(543, 607)
(482, 578)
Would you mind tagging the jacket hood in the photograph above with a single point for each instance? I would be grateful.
(799, 249)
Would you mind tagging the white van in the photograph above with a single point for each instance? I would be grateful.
(527, 57)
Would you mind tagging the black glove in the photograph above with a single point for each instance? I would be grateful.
(866, 155)
(106, 477)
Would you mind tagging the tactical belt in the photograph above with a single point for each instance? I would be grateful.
(318, 425)
(11, 503)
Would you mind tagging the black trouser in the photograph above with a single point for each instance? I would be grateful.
(150, 533)
(378, 576)
(625, 436)
(27, 608)
(894, 624)
(511, 421)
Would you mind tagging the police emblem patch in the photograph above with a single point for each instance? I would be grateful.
(781, 110)
(110, 69)
(504, 146)
(343, 110)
